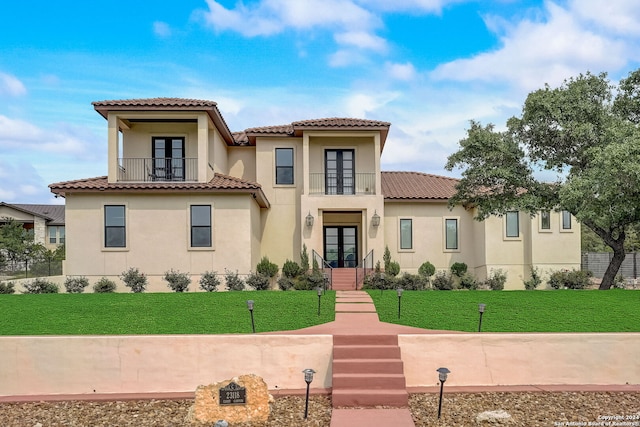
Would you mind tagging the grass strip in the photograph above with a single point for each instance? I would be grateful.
(615, 310)
(162, 313)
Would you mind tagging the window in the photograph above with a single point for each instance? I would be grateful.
(168, 159)
(56, 234)
(566, 220)
(513, 227)
(451, 234)
(284, 166)
(114, 226)
(339, 172)
(545, 220)
(406, 234)
(200, 226)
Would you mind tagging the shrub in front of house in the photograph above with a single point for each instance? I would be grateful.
(443, 281)
(258, 281)
(458, 269)
(411, 282)
(40, 286)
(285, 283)
(104, 286)
(534, 281)
(177, 281)
(134, 280)
(291, 269)
(233, 281)
(393, 269)
(468, 281)
(380, 281)
(496, 280)
(7, 288)
(267, 268)
(426, 270)
(574, 279)
(209, 281)
(76, 285)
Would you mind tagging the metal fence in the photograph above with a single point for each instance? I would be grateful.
(597, 263)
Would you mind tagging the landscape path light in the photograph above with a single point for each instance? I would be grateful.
(481, 308)
(399, 291)
(308, 377)
(319, 296)
(442, 376)
(250, 307)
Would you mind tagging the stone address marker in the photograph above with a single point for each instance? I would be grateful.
(212, 403)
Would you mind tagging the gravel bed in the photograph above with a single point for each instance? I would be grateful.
(458, 409)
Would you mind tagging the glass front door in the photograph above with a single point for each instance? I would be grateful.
(341, 246)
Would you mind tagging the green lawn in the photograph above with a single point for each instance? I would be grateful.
(161, 313)
(514, 311)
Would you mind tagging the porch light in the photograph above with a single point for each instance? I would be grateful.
(375, 219)
(309, 219)
(442, 376)
(308, 377)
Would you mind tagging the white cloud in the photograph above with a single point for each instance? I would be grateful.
(362, 40)
(430, 6)
(10, 85)
(361, 105)
(161, 29)
(20, 182)
(618, 17)
(405, 72)
(534, 53)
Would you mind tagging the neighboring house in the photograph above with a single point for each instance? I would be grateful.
(46, 221)
(184, 192)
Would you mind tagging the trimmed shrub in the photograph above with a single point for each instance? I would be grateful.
(574, 279)
(233, 281)
(290, 269)
(267, 268)
(309, 281)
(379, 281)
(393, 269)
(468, 281)
(134, 280)
(178, 282)
(304, 259)
(104, 286)
(258, 281)
(209, 281)
(426, 270)
(496, 280)
(458, 269)
(443, 281)
(7, 288)
(411, 282)
(76, 285)
(534, 281)
(40, 286)
(386, 257)
(285, 283)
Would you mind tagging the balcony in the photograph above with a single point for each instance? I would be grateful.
(345, 184)
(157, 169)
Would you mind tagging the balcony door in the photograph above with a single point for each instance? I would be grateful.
(339, 172)
(168, 159)
(341, 246)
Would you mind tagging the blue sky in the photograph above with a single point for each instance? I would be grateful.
(426, 66)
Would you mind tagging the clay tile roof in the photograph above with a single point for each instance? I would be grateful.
(271, 130)
(340, 122)
(219, 183)
(416, 186)
(155, 102)
(240, 138)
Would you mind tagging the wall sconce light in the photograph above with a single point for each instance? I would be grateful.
(375, 219)
(309, 220)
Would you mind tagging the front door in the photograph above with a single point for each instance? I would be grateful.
(168, 158)
(341, 246)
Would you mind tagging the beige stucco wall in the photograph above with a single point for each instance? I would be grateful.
(179, 363)
(242, 162)
(158, 235)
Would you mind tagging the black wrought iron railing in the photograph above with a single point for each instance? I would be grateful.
(326, 269)
(151, 169)
(364, 269)
(342, 184)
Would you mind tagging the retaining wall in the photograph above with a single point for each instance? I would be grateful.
(179, 363)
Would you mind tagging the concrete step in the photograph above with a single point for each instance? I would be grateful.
(365, 340)
(369, 381)
(368, 351)
(369, 398)
(368, 366)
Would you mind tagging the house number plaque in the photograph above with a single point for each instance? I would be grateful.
(233, 394)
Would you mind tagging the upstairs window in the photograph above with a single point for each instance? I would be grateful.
(114, 226)
(339, 172)
(406, 234)
(512, 224)
(201, 226)
(284, 166)
(545, 220)
(451, 234)
(566, 220)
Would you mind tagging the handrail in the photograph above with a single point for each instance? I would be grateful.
(364, 266)
(328, 277)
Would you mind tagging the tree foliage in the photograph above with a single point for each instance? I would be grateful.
(586, 131)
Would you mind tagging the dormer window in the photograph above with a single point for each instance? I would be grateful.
(168, 159)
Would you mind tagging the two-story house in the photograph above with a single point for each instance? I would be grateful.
(184, 192)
